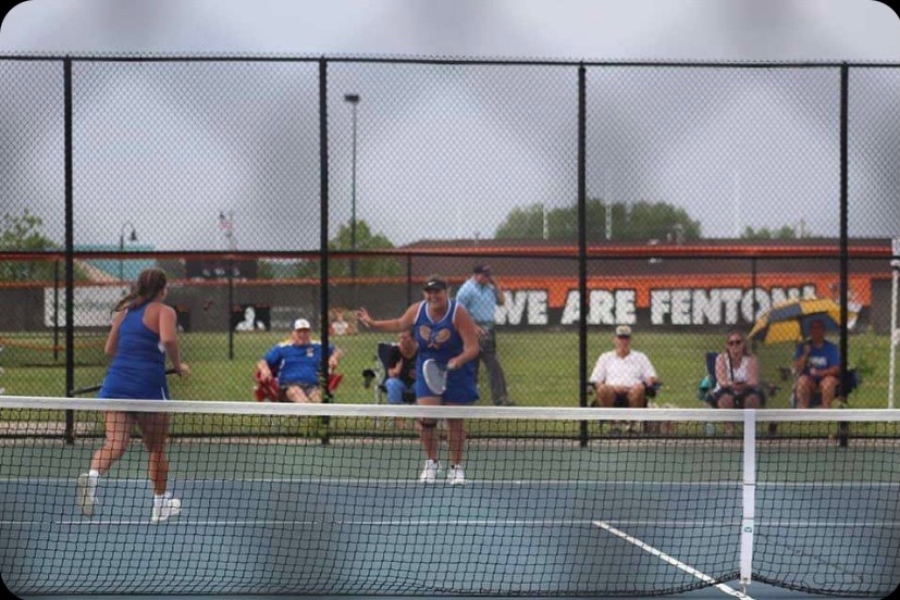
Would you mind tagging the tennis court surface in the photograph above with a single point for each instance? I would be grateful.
(325, 500)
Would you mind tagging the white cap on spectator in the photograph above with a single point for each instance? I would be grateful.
(623, 331)
(301, 324)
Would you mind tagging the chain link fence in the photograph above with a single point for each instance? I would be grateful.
(680, 199)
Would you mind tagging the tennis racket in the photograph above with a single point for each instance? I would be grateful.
(435, 376)
(96, 388)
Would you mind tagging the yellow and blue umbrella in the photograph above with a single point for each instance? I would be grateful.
(789, 321)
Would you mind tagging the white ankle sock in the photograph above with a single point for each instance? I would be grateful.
(93, 479)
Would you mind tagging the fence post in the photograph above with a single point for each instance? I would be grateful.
(582, 251)
(323, 233)
(70, 246)
(843, 426)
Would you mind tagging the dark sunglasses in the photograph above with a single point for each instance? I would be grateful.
(735, 342)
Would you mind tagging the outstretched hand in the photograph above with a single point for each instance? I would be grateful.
(362, 316)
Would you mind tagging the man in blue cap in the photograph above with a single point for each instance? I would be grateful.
(481, 295)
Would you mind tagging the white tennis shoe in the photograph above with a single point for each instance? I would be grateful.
(456, 476)
(167, 508)
(85, 498)
(429, 473)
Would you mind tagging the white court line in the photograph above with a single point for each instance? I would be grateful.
(672, 561)
(759, 523)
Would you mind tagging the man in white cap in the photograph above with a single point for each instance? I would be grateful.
(295, 364)
(623, 375)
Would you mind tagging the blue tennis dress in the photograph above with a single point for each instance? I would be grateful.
(138, 370)
(441, 341)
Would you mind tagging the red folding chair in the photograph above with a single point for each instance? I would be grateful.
(269, 390)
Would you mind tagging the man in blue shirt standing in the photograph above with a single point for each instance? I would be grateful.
(296, 363)
(481, 295)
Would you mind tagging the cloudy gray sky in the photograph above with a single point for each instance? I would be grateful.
(592, 29)
(457, 147)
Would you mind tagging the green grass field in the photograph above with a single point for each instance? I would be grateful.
(541, 367)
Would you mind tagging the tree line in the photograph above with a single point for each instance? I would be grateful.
(642, 220)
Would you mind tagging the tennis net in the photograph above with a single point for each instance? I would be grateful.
(657, 501)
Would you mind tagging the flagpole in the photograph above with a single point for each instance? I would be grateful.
(227, 227)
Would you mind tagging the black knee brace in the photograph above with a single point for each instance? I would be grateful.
(428, 423)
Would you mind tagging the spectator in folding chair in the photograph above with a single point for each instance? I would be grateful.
(401, 370)
(339, 326)
(817, 363)
(623, 377)
(399, 363)
(736, 377)
(292, 368)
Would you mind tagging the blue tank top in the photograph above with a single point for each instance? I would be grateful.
(441, 341)
(437, 339)
(138, 369)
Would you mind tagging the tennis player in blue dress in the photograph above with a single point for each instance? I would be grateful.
(444, 331)
(143, 333)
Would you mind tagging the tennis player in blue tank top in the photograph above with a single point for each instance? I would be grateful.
(444, 331)
(143, 333)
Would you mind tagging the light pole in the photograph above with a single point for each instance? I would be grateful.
(131, 238)
(353, 99)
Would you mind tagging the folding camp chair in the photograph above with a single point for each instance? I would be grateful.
(844, 389)
(621, 401)
(708, 384)
(269, 390)
(378, 374)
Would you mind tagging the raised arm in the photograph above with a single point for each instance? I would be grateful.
(403, 322)
(499, 296)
